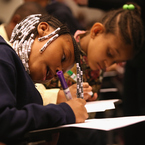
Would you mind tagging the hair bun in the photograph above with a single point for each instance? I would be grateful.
(128, 7)
(135, 7)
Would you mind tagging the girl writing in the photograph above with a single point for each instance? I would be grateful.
(21, 105)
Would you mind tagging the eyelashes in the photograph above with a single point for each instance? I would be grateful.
(109, 53)
(63, 58)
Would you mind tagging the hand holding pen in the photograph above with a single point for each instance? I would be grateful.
(78, 107)
(71, 91)
(87, 89)
(77, 104)
(64, 85)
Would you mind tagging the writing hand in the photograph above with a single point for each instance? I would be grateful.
(78, 107)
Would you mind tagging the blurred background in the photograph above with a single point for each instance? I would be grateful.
(7, 7)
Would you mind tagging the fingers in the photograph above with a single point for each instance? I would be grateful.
(94, 98)
(79, 109)
(74, 85)
(82, 101)
(86, 90)
(77, 33)
(86, 87)
(82, 118)
(73, 90)
(86, 96)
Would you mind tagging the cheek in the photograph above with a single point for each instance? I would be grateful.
(93, 53)
(37, 71)
(67, 65)
(94, 49)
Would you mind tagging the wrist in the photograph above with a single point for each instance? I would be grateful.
(61, 97)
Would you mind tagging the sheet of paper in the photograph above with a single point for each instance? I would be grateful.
(99, 106)
(105, 124)
(108, 123)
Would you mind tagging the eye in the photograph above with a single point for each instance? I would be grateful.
(109, 53)
(63, 58)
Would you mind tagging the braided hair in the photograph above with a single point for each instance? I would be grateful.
(129, 24)
(25, 32)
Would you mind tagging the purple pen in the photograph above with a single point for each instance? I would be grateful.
(64, 85)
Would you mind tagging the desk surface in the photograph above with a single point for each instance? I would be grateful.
(105, 124)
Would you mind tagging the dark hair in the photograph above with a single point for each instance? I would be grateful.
(55, 23)
(29, 8)
(129, 23)
(25, 32)
(32, 29)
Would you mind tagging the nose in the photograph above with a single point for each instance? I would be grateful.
(59, 68)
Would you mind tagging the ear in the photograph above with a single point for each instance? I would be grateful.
(43, 29)
(96, 29)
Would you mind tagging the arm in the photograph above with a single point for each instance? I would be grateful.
(73, 89)
(57, 96)
(21, 105)
(48, 95)
(14, 123)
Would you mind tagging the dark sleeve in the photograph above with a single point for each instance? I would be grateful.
(15, 123)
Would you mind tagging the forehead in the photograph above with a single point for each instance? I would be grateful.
(68, 43)
(68, 47)
(125, 51)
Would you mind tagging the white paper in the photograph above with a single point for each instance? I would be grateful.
(108, 123)
(99, 106)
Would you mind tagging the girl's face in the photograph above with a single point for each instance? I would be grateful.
(59, 55)
(106, 49)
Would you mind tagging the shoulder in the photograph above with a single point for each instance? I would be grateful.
(4, 44)
(7, 53)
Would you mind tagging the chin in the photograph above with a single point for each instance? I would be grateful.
(94, 67)
(46, 81)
